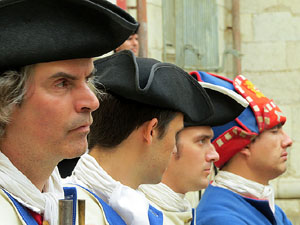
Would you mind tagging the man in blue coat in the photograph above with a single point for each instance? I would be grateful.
(191, 165)
(134, 135)
(253, 151)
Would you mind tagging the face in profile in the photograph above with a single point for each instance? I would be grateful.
(162, 150)
(132, 43)
(191, 165)
(268, 153)
(55, 115)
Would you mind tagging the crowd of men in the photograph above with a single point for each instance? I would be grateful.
(146, 132)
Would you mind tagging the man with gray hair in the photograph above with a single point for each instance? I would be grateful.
(46, 96)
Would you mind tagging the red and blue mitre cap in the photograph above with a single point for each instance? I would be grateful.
(261, 114)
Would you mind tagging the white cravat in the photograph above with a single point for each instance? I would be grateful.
(163, 196)
(130, 204)
(26, 193)
(245, 187)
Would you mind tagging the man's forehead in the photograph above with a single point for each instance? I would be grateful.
(276, 127)
(71, 66)
(199, 130)
(206, 129)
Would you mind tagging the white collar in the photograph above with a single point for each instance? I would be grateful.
(130, 204)
(26, 193)
(164, 197)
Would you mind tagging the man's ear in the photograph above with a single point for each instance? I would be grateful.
(246, 150)
(149, 130)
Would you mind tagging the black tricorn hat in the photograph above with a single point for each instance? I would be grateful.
(227, 105)
(33, 31)
(151, 82)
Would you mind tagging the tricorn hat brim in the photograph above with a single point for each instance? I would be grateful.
(34, 31)
(151, 82)
(227, 104)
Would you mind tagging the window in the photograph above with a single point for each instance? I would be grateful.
(190, 33)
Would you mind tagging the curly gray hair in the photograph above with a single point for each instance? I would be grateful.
(12, 91)
(13, 86)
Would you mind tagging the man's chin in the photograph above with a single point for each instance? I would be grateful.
(203, 184)
(76, 152)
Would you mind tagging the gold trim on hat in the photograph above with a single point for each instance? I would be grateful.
(219, 142)
(227, 136)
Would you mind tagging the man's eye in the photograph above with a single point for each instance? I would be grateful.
(274, 131)
(201, 141)
(61, 83)
(204, 141)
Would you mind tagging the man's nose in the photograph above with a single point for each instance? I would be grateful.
(87, 100)
(212, 155)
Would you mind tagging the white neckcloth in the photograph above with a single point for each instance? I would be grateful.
(26, 193)
(163, 196)
(130, 204)
(245, 187)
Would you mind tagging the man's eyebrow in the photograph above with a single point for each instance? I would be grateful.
(210, 136)
(63, 75)
(70, 76)
(278, 126)
(205, 136)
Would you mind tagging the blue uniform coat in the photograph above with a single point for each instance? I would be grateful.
(222, 206)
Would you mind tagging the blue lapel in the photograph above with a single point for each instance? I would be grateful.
(22, 211)
(111, 216)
